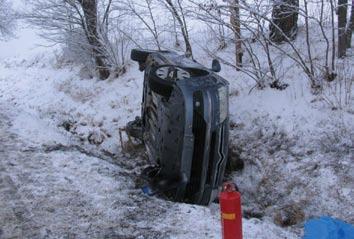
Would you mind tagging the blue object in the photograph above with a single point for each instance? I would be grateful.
(328, 228)
(147, 190)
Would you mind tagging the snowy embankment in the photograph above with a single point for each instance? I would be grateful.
(298, 153)
(297, 147)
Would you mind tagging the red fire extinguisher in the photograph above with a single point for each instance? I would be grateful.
(231, 214)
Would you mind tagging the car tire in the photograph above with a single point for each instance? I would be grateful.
(160, 86)
(134, 129)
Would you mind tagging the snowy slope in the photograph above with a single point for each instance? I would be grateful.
(297, 149)
(38, 94)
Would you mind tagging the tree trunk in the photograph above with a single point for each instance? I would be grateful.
(342, 23)
(184, 30)
(284, 20)
(222, 38)
(236, 27)
(89, 8)
(175, 32)
(350, 27)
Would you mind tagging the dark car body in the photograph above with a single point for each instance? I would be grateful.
(185, 125)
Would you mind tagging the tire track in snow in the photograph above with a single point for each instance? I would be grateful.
(16, 218)
(68, 194)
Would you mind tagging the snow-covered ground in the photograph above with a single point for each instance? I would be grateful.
(63, 173)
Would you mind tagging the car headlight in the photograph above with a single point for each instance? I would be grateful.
(224, 102)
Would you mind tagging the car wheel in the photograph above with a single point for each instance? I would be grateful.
(162, 78)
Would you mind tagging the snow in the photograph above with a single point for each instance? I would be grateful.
(202, 222)
(296, 149)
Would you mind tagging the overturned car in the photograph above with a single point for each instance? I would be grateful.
(184, 125)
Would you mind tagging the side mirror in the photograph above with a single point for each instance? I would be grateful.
(215, 66)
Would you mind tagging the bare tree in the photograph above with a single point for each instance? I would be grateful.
(220, 14)
(284, 20)
(218, 30)
(175, 32)
(342, 23)
(222, 33)
(177, 11)
(333, 33)
(75, 23)
(90, 21)
(7, 19)
(350, 26)
(236, 27)
(145, 13)
(255, 20)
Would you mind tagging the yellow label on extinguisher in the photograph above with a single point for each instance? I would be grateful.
(228, 216)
